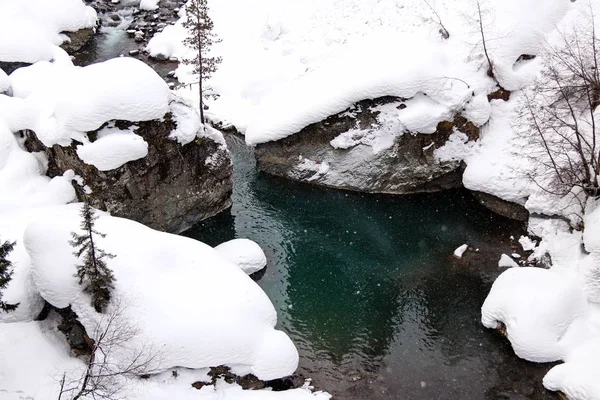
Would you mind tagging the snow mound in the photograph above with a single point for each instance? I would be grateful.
(169, 42)
(244, 253)
(61, 102)
(149, 5)
(30, 30)
(122, 88)
(544, 312)
(170, 285)
(32, 358)
(326, 91)
(112, 151)
(578, 377)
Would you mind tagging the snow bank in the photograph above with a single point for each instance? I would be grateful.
(112, 151)
(64, 102)
(579, 376)
(169, 42)
(122, 88)
(164, 277)
(34, 356)
(244, 253)
(545, 312)
(376, 73)
(30, 29)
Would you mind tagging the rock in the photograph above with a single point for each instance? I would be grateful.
(159, 57)
(74, 332)
(171, 189)
(10, 67)
(502, 207)
(134, 52)
(138, 36)
(78, 39)
(408, 166)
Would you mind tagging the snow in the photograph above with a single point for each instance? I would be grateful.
(35, 356)
(122, 88)
(578, 377)
(244, 253)
(506, 262)
(422, 76)
(61, 102)
(461, 250)
(148, 5)
(112, 151)
(30, 30)
(527, 243)
(545, 312)
(163, 277)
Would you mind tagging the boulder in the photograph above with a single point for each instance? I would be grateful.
(77, 39)
(505, 208)
(406, 166)
(171, 189)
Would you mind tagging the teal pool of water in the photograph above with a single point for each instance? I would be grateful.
(367, 288)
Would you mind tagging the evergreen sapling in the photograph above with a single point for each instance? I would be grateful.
(97, 279)
(201, 38)
(5, 273)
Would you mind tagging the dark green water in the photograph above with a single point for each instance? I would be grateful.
(367, 287)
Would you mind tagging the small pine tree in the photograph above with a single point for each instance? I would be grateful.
(97, 279)
(5, 273)
(201, 38)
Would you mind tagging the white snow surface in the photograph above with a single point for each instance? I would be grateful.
(35, 356)
(460, 250)
(61, 102)
(244, 253)
(148, 5)
(546, 313)
(112, 151)
(188, 274)
(30, 30)
(578, 377)
(507, 262)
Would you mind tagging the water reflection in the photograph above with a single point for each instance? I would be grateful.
(364, 286)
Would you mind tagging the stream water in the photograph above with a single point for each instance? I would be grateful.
(367, 288)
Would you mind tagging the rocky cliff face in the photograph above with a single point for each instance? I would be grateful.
(408, 165)
(171, 189)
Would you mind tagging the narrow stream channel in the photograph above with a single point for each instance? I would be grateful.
(367, 287)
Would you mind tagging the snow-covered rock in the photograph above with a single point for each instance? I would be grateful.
(112, 151)
(30, 30)
(244, 253)
(579, 376)
(366, 148)
(169, 285)
(545, 312)
(507, 262)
